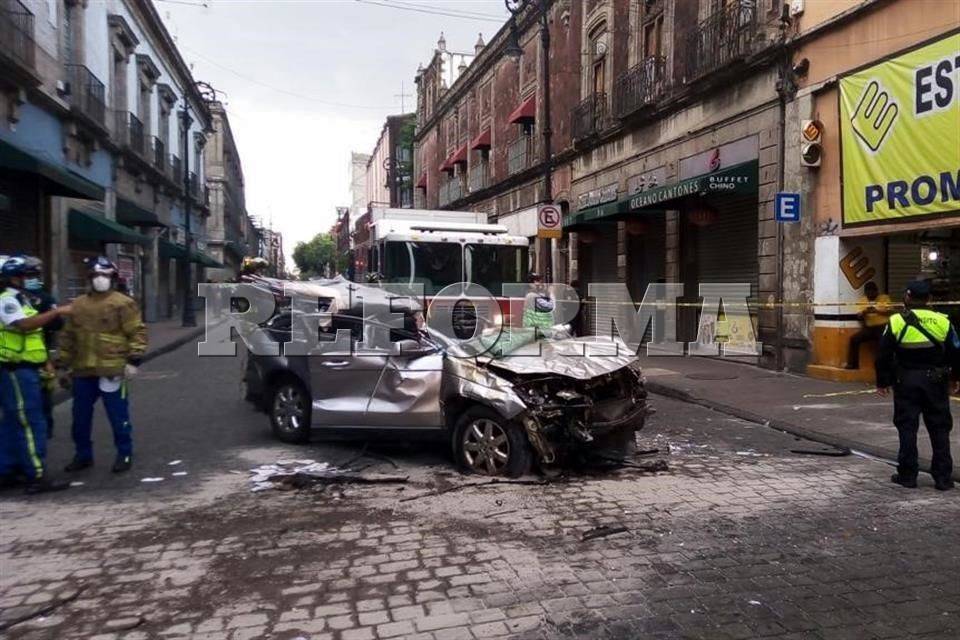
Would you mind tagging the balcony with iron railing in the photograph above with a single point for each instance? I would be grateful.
(520, 154)
(587, 118)
(136, 138)
(479, 176)
(194, 186)
(641, 87)
(176, 170)
(451, 190)
(19, 48)
(87, 94)
(159, 155)
(726, 36)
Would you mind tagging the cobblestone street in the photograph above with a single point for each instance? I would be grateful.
(739, 539)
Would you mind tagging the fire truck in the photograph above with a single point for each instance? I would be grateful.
(436, 249)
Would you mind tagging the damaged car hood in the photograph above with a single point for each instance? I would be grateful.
(578, 358)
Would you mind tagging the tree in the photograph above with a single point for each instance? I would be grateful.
(313, 258)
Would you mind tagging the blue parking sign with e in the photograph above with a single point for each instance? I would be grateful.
(787, 207)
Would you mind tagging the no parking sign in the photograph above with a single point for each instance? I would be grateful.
(549, 221)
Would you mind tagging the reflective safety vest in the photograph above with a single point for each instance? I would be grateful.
(936, 324)
(17, 347)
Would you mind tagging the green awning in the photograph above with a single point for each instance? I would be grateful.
(86, 225)
(60, 181)
(238, 248)
(130, 213)
(736, 180)
(169, 250)
(205, 260)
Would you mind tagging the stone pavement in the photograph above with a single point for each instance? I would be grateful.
(845, 414)
(739, 539)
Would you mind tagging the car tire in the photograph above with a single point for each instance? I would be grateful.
(485, 442)
(289, 411)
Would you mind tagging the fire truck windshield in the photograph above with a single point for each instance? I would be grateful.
(490, 266)
(434, 264)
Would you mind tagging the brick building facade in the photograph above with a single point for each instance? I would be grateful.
(673, 100)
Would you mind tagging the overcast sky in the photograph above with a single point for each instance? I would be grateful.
(308, 81)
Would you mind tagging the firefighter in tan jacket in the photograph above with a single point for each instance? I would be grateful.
(102, 345)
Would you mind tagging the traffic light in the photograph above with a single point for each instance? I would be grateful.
(811, 146)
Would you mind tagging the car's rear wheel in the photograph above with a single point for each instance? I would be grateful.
(290, 411)
(486, 443)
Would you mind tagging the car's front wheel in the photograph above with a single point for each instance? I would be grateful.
(486, 443)
(290, 412)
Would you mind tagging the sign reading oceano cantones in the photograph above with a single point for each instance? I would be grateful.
(900, 131)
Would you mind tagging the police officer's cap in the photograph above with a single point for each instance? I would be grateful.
(15, 266)
(919, 289)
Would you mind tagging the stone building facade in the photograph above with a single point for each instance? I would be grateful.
(228, 224)
(389, 179)
(95, 155)
(480, 120)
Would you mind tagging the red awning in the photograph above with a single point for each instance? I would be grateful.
(422, 183)
(525, 113)
(482, 141)
(459, 156)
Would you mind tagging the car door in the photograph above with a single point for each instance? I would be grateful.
(407, 396)
(342, 382)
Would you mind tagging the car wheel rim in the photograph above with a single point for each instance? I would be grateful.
(288, 410)
(486, 447)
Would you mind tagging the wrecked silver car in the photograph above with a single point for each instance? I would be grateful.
(504, 399)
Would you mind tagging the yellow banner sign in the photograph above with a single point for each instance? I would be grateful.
(900, 129)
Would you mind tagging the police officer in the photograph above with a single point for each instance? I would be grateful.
(919, 352)
(102, 344)
(23, 429)
(42, 300)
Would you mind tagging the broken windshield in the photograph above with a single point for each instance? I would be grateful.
(432, 264)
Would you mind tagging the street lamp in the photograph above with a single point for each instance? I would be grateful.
(189, 318)
(514, 50)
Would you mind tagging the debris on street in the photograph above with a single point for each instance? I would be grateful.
(300, 474)
(471, 485)
(602, 532)
(836, 452)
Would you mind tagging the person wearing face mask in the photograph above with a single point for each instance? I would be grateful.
(42, 300)
(23, 353)
(102, 344)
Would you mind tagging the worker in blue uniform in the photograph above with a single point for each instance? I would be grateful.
(23, 428)
(42, 300)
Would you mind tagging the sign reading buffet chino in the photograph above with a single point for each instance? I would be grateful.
(900, 130)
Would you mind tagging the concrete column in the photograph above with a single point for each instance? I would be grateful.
(59, 258)
(151, 277)
(110, 212)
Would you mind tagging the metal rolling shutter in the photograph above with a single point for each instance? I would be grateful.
(603, 269)
(903, 263)
(727, 250)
